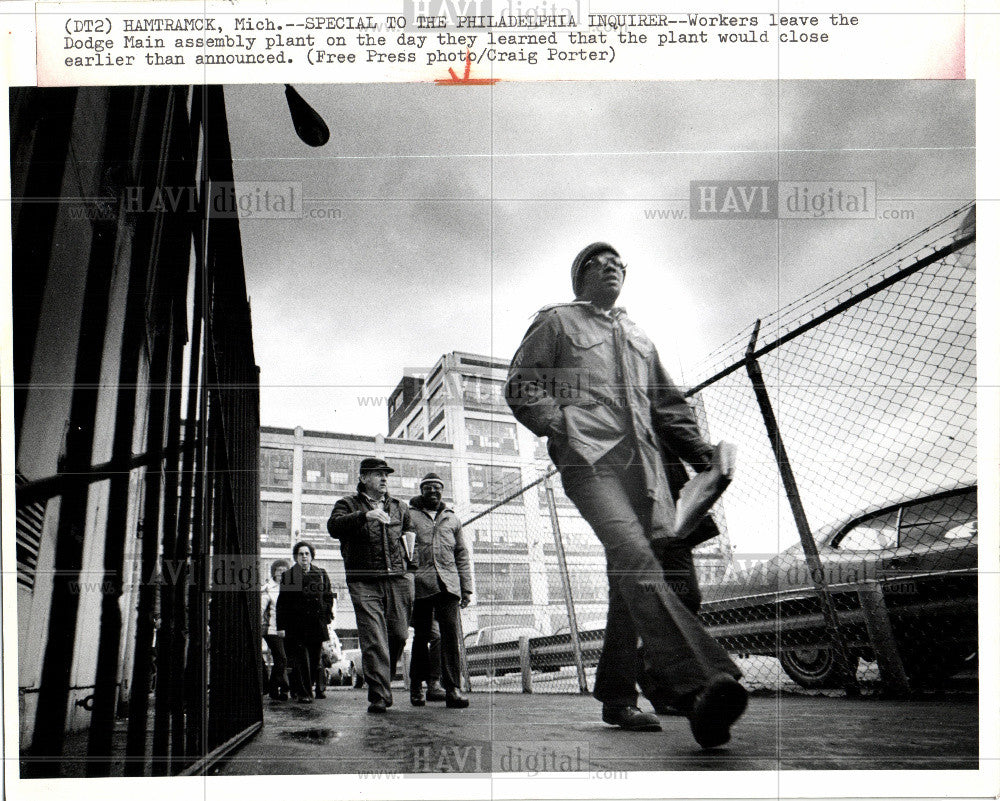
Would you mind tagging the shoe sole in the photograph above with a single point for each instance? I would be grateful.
(642, 727)
(416, 702)
(651, 726)
(724, 700)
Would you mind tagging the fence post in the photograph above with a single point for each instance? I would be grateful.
(574, 631)
(838, 647)
(463, 658)
(890, 663)
(524, 651)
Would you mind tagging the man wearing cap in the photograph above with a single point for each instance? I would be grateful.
(443, 584)
(590, 380)
(372, 528)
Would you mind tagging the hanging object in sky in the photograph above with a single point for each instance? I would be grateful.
(309, 125)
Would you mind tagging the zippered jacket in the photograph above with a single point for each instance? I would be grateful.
(440, 551)
(371, 549)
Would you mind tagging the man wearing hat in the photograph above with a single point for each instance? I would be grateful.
(587, 378)
(373, 528)
(443, 584)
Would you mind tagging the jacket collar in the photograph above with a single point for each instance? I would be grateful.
(614, 312)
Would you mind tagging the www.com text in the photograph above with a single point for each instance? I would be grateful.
(682, 214)
(109, 212)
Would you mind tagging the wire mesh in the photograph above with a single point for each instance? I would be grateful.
(872, 382)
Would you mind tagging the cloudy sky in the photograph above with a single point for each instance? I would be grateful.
(454, 213)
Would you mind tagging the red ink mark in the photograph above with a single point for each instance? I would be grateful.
(956, 69)
(465, 80)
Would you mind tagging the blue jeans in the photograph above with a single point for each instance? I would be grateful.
(681, 656)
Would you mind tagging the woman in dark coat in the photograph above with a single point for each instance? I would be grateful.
(305, 609)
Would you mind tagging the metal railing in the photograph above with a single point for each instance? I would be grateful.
(177, 679)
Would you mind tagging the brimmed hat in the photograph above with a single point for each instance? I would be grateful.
(430, 478)
(370, 464)
(586, 255)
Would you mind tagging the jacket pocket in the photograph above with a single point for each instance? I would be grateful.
(585, 349)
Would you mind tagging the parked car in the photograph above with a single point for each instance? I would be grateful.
(922, 552)
(497, 635)
(493, 635)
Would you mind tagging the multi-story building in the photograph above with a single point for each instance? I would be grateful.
(452, 420)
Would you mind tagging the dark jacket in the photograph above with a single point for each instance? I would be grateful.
(440, 551)
(588, 380)
(370, 549)
(305, 604)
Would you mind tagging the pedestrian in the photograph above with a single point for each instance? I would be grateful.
(373, 528)
(277, 684)
(443, 585)
(304, 612)
(587, 378)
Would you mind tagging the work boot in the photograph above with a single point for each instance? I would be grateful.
(455, 700)
(717, 707)
(417, 693)
(630, 718)
(377, 707)
(435, 692)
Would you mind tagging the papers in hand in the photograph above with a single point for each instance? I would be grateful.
(702, 491)
(409, 539)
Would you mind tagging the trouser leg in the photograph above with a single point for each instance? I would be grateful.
(368, 598)
(423, 618)
(446, 610)
(299, 662)
(681, 576)
(681, 653)
(278, 681)
(618, 667)
(398, 609)
(316, 675)
(434, 652)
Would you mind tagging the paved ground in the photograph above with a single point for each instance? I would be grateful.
(563, 732)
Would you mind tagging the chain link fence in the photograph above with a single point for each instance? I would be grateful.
(848, 552)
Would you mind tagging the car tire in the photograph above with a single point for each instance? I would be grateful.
(813, 668)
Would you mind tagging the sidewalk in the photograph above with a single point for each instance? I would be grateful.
(559, 732)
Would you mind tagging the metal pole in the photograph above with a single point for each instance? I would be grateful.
(574, 632)
(839, 648)
(891, 667)
(463, 657)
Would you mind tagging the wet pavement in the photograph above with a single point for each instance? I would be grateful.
(563, 732)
